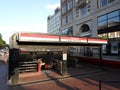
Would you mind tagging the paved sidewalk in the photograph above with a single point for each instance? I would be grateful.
(26, 78)
(80, 78)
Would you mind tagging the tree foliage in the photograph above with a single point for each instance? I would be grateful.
(2, 42)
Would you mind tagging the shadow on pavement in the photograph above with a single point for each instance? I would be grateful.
(62, 85)
(106, 79)
(18, 87)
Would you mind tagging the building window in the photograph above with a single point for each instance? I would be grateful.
(70, 17)
(103, 36)
(114, 34)
(102, 25)
(64, 20)
(109, 35)
(70, 4)
(113, 14)
(84, 28)
(102, 18)
(118, 34)
(83, 10)
(113, 18)
(64, 9)
(102, 22)
(68, 31)
(103, 3)
(65, 32)
(113, 21)
(109, 20)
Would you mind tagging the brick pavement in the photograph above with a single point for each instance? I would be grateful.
(83, 78)
(34, 77)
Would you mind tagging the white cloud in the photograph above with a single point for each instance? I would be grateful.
(9, 30)
(53, 6)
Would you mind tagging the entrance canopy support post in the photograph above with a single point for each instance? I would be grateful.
(100, 57)
(64, 61)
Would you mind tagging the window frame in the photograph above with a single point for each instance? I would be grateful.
(108, 18)
(83, 11)
(70, 4)
(70, 17)
(64, 8)
(64, 20)
(100, 3)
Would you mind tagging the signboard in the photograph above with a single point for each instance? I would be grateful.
(104, 49)
(114, 47)
(64, 56)
(36, 37)
(73, 39)
(95, 40)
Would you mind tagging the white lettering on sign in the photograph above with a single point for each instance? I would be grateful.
(64, 56)
(73, 39)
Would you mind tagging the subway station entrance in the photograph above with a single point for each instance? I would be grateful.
(44, 58)
(36, 52)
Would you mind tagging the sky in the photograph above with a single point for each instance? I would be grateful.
(25, 15)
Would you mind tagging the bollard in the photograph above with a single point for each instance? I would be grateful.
(39, 65)
(39, 68)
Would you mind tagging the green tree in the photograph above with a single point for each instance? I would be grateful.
(2, 42)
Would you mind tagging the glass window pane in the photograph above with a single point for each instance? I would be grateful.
(65, 32)
(101, 18)
(70, 4)
(102, 25)
(64, 21)
(104, 2)
(113, 14)
(118, 34)
(70, 17)
(103, 36)
(112, 35)
(64, 8)
(113, 21)
(70, 30)
(83, 10)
